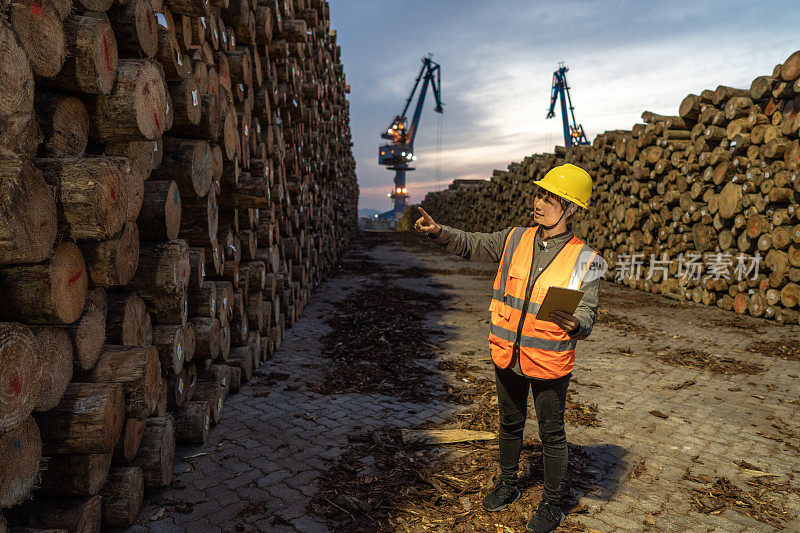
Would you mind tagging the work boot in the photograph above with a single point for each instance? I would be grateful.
(503, 494)
(547, 518)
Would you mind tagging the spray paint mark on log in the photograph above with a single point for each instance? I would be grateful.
(75, 277)
(37, 10)
(106, 55)
(16, 385)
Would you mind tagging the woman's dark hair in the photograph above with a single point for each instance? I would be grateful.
(562, 201)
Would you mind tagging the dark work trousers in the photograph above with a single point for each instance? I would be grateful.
(549, 398)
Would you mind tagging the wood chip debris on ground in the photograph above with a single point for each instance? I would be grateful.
(763, 501)
(692, 358)
(388, 480)
(786, 348)
(387, 485)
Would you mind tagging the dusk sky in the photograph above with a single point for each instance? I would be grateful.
(498, 59)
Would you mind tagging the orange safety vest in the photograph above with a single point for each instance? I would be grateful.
(545, 350)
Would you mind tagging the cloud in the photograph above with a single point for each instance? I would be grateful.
(497, 61)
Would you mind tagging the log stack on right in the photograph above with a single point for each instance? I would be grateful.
(175, 179)
(716, 185)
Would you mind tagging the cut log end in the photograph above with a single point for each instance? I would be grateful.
(88, 420)
(105, 57)
(20, 374)
(89, 332)
(16, 89)
(69, 282)
(150, 103)
(123, 495)
(20, 453)
(28, 217)
(55, 347)
(41, 32)
(68, 128)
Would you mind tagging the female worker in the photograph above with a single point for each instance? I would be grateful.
(529, 353)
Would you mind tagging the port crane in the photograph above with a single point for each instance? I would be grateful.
(573, 133)
(397, 154)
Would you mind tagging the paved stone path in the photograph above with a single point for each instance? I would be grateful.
(258, 470)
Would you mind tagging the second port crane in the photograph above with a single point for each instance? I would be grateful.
(573, 133)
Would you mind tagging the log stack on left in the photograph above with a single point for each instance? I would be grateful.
(69, 204)
(175, 179)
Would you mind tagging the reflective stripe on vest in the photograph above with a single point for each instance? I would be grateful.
(515, 302)
(546, 351)
(531, 342)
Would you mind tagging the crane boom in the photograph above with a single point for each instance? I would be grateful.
(396, 155)
(573, 133)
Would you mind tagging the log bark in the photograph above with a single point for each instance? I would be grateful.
(160, 218)
(203, 302)
(28, 217)
(198, 265)
(46, 293)
(66, 514)
(249, 193)
(93, 5)
(218, 373)
(224, 342)
(191, 381)
(88, 333)
(242, 357)
(209, 124)
(163, 400)
(177, 389)
(235, 380)
(113, 262)
(214, 394)
(188, 162)
(144, 156)
(189, 8)
(189, 342)
(75, 475)
(169, 341)
(176, 66)
(87, 421)
(192, 422)
(185, 96)
(790, 69)
(135, 27)
(163, 266)
(157, 452)
(91, 194)
(128, 322)
(137, 369)
(136, 109)
(64, 123)
(123, 495)
(207, 335)
(41, 33)
(128, 443)
(161, 281)
(20, 455)
(199, 219)
(91, 56)
(18, 132)
(55, 350)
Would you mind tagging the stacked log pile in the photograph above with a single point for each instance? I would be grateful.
(175, 179)
(688, 206)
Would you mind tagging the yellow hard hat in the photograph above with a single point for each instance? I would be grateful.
(570, 182)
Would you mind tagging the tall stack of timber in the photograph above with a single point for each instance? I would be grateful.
(175, 179)
(721, 179)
